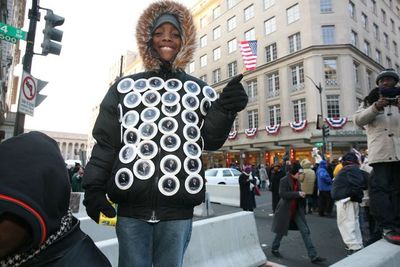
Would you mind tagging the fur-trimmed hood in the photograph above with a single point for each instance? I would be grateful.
(145, 25)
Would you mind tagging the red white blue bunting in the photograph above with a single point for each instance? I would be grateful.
(251, 132)
(298, 126)
(336, 123)
(273, 129)
(232, 135)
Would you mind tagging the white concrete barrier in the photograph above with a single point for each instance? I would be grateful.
(225, 241)
(224, 194)
(379, 254)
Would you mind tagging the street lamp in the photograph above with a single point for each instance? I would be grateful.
(322, 127)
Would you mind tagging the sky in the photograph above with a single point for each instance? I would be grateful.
(96, 34)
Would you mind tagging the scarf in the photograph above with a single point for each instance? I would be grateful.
(16, 260)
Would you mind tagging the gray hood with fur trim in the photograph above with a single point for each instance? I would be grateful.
(145, 26)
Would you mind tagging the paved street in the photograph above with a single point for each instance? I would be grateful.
(324, 233)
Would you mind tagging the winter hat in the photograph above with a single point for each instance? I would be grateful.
(387, 73)
(294, 168)
(166, 18)
(34, 183)
(350, 158)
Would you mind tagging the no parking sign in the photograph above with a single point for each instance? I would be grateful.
(27, 96)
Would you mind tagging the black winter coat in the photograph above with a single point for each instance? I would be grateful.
(350, 182)
(247, 198)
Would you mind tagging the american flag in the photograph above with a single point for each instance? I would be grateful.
(249, 54)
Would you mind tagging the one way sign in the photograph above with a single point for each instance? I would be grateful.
(28, 97)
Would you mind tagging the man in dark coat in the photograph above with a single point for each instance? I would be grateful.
(290, 214)
(36, 227)
(276, 175)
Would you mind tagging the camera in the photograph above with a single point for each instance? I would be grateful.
(393, 100)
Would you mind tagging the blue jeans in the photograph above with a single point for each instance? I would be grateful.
(143, 244)
(305, 234)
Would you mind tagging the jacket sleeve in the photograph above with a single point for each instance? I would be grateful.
(356, 181)
(365, 116)
(285, 192)
(106, 132)
(216, 127)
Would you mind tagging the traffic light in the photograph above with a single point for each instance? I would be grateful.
(325, 130)
(51, 34)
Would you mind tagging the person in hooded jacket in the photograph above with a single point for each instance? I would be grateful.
(160, 119)
(379, 115)
(325, 203)
(307, 180)
(36, 226)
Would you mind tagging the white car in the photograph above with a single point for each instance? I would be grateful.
(222, 176)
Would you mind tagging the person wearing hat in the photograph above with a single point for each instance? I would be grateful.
(154, 212)
(347, 192)
(246, 184)
(36, 226)
(290, 213)
(379, 115)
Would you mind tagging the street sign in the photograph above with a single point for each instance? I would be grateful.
(320, 144)
(11, 34)
(27, 95)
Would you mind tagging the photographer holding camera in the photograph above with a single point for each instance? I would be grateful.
(379, 115)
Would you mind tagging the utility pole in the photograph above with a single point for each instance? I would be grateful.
(34, 17)
(324, 127)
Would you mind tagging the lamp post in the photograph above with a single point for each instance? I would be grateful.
(323, 127)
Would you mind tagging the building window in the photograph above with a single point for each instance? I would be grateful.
(328, 34)
(293, 13)
(203, 61)
(216, 75)
(235, 125)
(232, 45)
(386, 40)
(203, 22)
(274, 115)
(384, 18)
(373, 6)
(294, 42)
(364, 21)
(252, 90)
(370, 82)
(268, 3)
(356, 72)
(204, 78)
(354, 38)
(203, 41)
(250, 35)
(191, 67)
(231, 23)
(253, 118)
(325, 6)
(389, 62)
(299, 110)
(395, 48)
(367, 48)
(332, 106)
(232, 69)
(297, 76)
(397, 67)
(248, 12)
(378, 56)
(392, 26)
(376, 31)
(352, 10)
(273, 84)
(217, 12)
(217, 53)
(330, 71)
(270, 25)
(217, 32)
(231, 3)
(271, 52)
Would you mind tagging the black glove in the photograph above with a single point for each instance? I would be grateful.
(233, 97)
(97, 202)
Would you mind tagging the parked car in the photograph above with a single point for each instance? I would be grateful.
(222, 176)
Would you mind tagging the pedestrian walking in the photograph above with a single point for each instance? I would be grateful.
(290, 215)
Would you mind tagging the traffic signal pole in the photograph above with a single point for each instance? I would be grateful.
(34, 17)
